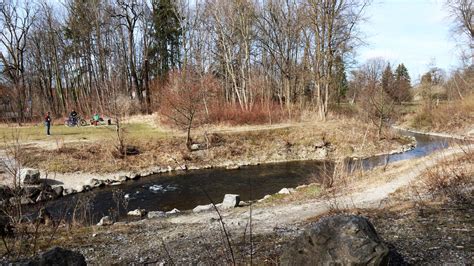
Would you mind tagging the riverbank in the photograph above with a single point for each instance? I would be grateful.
(466, 135)
(396, 199)
(78, 164)
(449, 118)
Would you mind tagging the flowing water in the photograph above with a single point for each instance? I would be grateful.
(185, 190)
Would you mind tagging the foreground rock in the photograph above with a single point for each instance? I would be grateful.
(59, 256)
(337, 240)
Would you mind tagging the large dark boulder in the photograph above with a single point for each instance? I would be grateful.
(337, 240)
(59, 256)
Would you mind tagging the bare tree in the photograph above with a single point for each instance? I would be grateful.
(183, 100)
(16, 20)
(376, 101)
(280, 34)
(232, 24)
(129, 13)
(333, 25)
(462, 14)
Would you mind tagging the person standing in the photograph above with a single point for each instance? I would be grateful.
(47, 123)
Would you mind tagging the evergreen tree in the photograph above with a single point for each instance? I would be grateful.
(388, 81)
(340, 80)
(402, 84)
(166, 38)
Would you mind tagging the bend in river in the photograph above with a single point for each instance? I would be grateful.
(186, 190)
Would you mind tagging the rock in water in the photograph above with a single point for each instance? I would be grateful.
(337, 240)
(106, 220)
(59, 256)
(231, 201)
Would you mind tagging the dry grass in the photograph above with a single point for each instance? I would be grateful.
(453, 117)
(281, 142)
(451, 180)
(61, 133)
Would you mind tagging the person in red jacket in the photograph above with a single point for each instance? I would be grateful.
(47, 123)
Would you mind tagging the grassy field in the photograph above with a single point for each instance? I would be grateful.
(35, 133)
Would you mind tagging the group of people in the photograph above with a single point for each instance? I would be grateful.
(73, 120)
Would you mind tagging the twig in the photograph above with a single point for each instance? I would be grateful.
(167, 253)
(221, 220)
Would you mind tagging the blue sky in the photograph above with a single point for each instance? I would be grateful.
(413, 32)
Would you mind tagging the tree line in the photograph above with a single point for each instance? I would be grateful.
(83, 55)
(80, 54)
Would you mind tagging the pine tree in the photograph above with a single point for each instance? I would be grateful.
(388, 82)
(166, 36)
(340, 80)
(402, 84)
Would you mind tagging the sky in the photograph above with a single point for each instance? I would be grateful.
(413, 32)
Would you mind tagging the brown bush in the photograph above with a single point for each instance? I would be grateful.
(451, 180)
(260, 113)
(448, 116)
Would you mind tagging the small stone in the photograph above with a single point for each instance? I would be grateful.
(233, 167)
(173, 211)
(137, 212)
(30, 176)
(203, 208)
(284, 191)
(134, 175)
(156, 214)
(68, 191)
(93, 183)
(231, 201)
(106, 220)
(116, 183)
(58, 190)
(264, 198)
(182, 167)
(121, 178)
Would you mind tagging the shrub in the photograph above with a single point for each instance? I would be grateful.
(260, 113)
(447, 116)
(451, 180)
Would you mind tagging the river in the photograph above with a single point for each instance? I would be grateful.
(185, 190)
